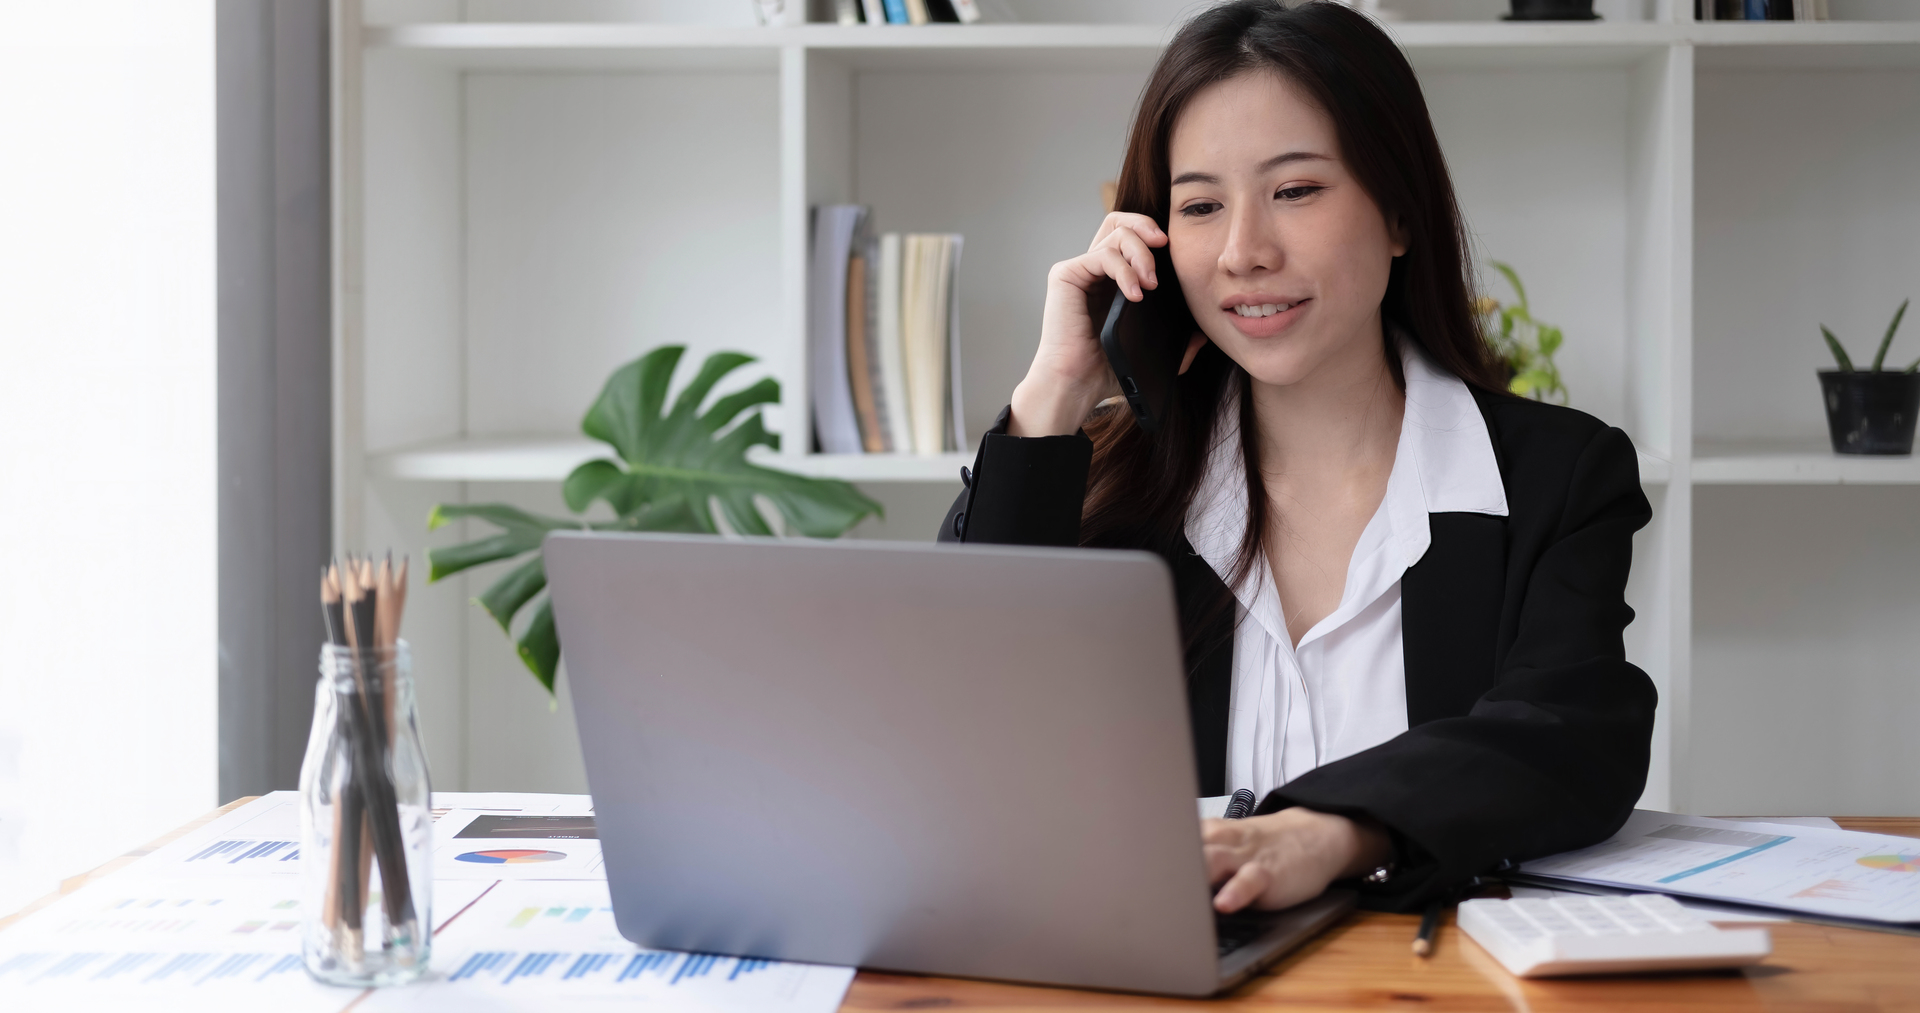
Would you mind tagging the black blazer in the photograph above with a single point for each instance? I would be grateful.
(1528, 731)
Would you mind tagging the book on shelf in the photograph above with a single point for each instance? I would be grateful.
(888, 355)
(929, 340)
(1761, 10)
(835, 227)
(866, 410)
(906, 12)
(884, 338)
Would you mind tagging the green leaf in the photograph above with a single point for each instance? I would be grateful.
(1839, 354)
(589, 482)
(1913, 368)
(540, 646)
(1881, 355)
(1513, 278)
(520, 532)
(767, 391)
(1550, 339)
(515, 589)
(718, 365)
(676, 467)
(445, 561)
(628, 408)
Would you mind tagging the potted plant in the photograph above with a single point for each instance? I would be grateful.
(1524, 344)
(674, 466)
(1871, 411)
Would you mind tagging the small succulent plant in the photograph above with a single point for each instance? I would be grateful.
(1879, 357)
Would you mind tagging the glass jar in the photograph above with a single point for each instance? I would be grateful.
(366, 850)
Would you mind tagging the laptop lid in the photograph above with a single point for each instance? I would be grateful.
(963, 760)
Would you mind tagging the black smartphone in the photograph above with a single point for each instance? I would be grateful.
(1144, 340)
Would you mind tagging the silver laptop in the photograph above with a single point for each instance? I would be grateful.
(958, 760)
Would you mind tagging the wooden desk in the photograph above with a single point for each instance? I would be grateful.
(1366, 963)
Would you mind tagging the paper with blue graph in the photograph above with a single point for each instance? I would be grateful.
(211, 922)
(1835, 873)
(530, 945)
(199, 943)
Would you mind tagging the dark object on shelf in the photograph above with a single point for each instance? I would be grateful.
(1552, 10)
(1871, 413)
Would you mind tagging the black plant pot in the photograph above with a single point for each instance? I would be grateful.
(1552, 10)
(1871, 413)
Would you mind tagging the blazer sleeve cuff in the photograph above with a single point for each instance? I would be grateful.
(1026, 490)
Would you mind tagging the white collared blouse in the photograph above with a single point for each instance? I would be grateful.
(1342, 689)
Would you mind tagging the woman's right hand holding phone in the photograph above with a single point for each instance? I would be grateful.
(1069, 375)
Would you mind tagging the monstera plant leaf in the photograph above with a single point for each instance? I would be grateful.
(674, 465)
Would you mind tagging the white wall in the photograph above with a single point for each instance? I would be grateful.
(107, 691)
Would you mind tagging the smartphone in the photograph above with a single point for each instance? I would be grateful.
(1144, 340)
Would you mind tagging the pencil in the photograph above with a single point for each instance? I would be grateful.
(383, 813)
(1423, 941)
(330, 605)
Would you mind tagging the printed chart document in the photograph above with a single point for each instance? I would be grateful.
(540, 946)
(494, 844)
(261, 838)
(1834, 873)
(488, 836)
(201, 943)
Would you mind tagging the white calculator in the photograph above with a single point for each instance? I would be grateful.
(1605, 935)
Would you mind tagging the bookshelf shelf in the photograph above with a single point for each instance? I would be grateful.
(524, 205)
(1796, 463)
(583, 44)
(552, 458)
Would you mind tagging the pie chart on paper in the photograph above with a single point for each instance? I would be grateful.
(511, 856)
(1892, 863)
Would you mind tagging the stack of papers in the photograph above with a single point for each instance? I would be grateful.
(522, 920)
(1808, 870)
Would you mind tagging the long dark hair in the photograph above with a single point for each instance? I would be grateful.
(1141, 485)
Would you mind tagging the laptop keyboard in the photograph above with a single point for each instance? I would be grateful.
(1240, 928)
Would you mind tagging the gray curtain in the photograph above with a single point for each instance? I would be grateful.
(275, 387)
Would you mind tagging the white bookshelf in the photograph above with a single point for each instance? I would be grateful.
(531, 194)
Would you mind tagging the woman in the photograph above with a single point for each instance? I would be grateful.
(1401, 589)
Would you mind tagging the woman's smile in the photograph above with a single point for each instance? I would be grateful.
(1262, 316)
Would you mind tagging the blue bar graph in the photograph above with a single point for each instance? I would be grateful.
(643, 962)
(290, 962)
(258, 849)
(181, 963)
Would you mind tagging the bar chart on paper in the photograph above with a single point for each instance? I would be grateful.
(531, 945)
(1836, 873)
(147, 944)
(191, 943)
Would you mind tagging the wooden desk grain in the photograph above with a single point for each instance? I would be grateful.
(1366, 963)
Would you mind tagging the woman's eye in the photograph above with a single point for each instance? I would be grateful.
(1200, 209)
(1298, 192)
